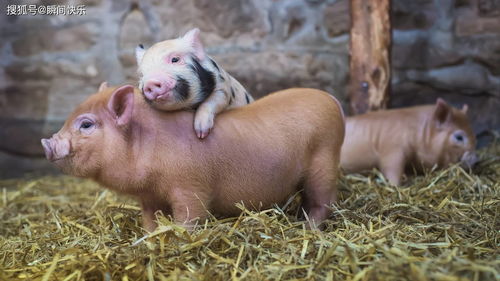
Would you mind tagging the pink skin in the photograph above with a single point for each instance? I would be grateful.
(56, 148)
(159, 85)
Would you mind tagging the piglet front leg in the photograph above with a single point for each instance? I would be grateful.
(205, 114)
(392, 166)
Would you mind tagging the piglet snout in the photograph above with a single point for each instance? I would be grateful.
(469, 159)
(55, 148)
(156, 88)
(48, 149)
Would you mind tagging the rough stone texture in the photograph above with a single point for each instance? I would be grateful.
(415, 14)
(48, 64)
(337, 18)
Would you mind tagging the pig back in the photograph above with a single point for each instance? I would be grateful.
(262, 151)
(256, 154)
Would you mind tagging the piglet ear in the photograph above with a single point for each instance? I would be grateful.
(139, 53)
(121, 104)
(442, 111)
(192, 37)
(103, 86)
(465, 108)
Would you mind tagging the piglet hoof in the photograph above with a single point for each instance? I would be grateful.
(203, 125)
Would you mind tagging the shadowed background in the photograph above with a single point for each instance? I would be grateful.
(49, 64)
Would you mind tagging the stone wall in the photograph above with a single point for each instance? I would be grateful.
(48, 64)
(450, 49)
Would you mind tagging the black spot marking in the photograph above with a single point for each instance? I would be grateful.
(207, 78)
(222, 78)
(232, 92)
(215, 65)
(182, 88)
(247, 97)
(141, 46)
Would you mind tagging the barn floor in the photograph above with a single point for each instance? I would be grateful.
(440, 226)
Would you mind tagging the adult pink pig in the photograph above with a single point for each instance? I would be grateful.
(260, 154)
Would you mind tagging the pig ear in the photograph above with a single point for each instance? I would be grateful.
(139, 53)
(121, 104)
(192, 37)
(442, 111)
(465, 108)
(103, 86)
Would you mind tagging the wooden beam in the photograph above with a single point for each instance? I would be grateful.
(370, 67)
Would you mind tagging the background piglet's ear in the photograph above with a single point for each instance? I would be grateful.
(192, 37)
(103, 86)
(121, 104)
(442, 111)
(139, 53)
(465, 108)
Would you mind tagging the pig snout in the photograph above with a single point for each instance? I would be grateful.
(469, 159)
(55, 148)
(158, 87)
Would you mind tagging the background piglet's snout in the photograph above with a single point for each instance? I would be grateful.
(469, 159)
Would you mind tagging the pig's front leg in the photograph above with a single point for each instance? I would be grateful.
(205, 114)
(148, 220)
(149, 208)
(392, 166)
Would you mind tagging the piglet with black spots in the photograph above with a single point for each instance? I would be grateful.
(178, 74)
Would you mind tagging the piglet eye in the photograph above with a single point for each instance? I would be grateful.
(86, 125)
(175, 59)
(459, 137)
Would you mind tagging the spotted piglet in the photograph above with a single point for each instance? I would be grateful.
(178, 74)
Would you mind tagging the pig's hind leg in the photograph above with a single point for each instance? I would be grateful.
(320, 189)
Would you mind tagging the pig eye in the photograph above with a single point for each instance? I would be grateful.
(459, 138)
(86, 124)
(175, 59)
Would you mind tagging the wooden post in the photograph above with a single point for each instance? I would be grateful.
(370, 67)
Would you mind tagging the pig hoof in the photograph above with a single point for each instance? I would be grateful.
(203, 127)
(202, 134)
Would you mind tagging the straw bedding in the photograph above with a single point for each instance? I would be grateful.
(443, 225)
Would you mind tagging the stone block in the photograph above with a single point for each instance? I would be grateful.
(337, 18)
(36, 40)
